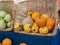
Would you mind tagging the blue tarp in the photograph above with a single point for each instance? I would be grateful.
(30, 39)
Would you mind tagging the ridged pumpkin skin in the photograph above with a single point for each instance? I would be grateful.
(41, 21)
(35, 15)
(6, 42)
(27, 27)
(50, 23)
(34, 28)
(43, 30)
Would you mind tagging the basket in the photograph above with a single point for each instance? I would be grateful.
(44, 6)
(6, 0)
(7, 5)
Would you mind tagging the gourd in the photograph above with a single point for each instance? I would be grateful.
(43, 30)
(41, 21)
(7, 42)
(27, 27)
(50, 23)
(35, 15)
(45, 16)
(34, 28)
(17, 26)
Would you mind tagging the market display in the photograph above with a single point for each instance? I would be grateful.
(36, 22)
(34, 17)
(5, 19)
(7, 41)
(37, 17)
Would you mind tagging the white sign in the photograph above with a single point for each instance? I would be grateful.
(17, 1)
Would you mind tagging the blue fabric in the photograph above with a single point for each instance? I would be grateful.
(30, 39)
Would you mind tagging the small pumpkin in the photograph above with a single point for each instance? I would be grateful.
(43, 30)
(7, 41)
(29, 13)
(23, 44)
(35, 15)
(34, 28)
(0, 44)
(41, 21)
(50, 23)
(17, 26)
(45, 16)
(27, 27)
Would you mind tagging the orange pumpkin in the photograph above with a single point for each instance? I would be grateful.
(50, 23)
(41, 21)
(0, 44)
(35, 15)
(23, 44)
(6, 42)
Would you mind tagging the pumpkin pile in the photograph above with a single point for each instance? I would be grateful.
(6, 41)
(37, 23)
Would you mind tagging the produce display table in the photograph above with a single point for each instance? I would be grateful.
(30, 39)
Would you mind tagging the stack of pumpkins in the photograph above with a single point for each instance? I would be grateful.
(36, 23)
(8, 41)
